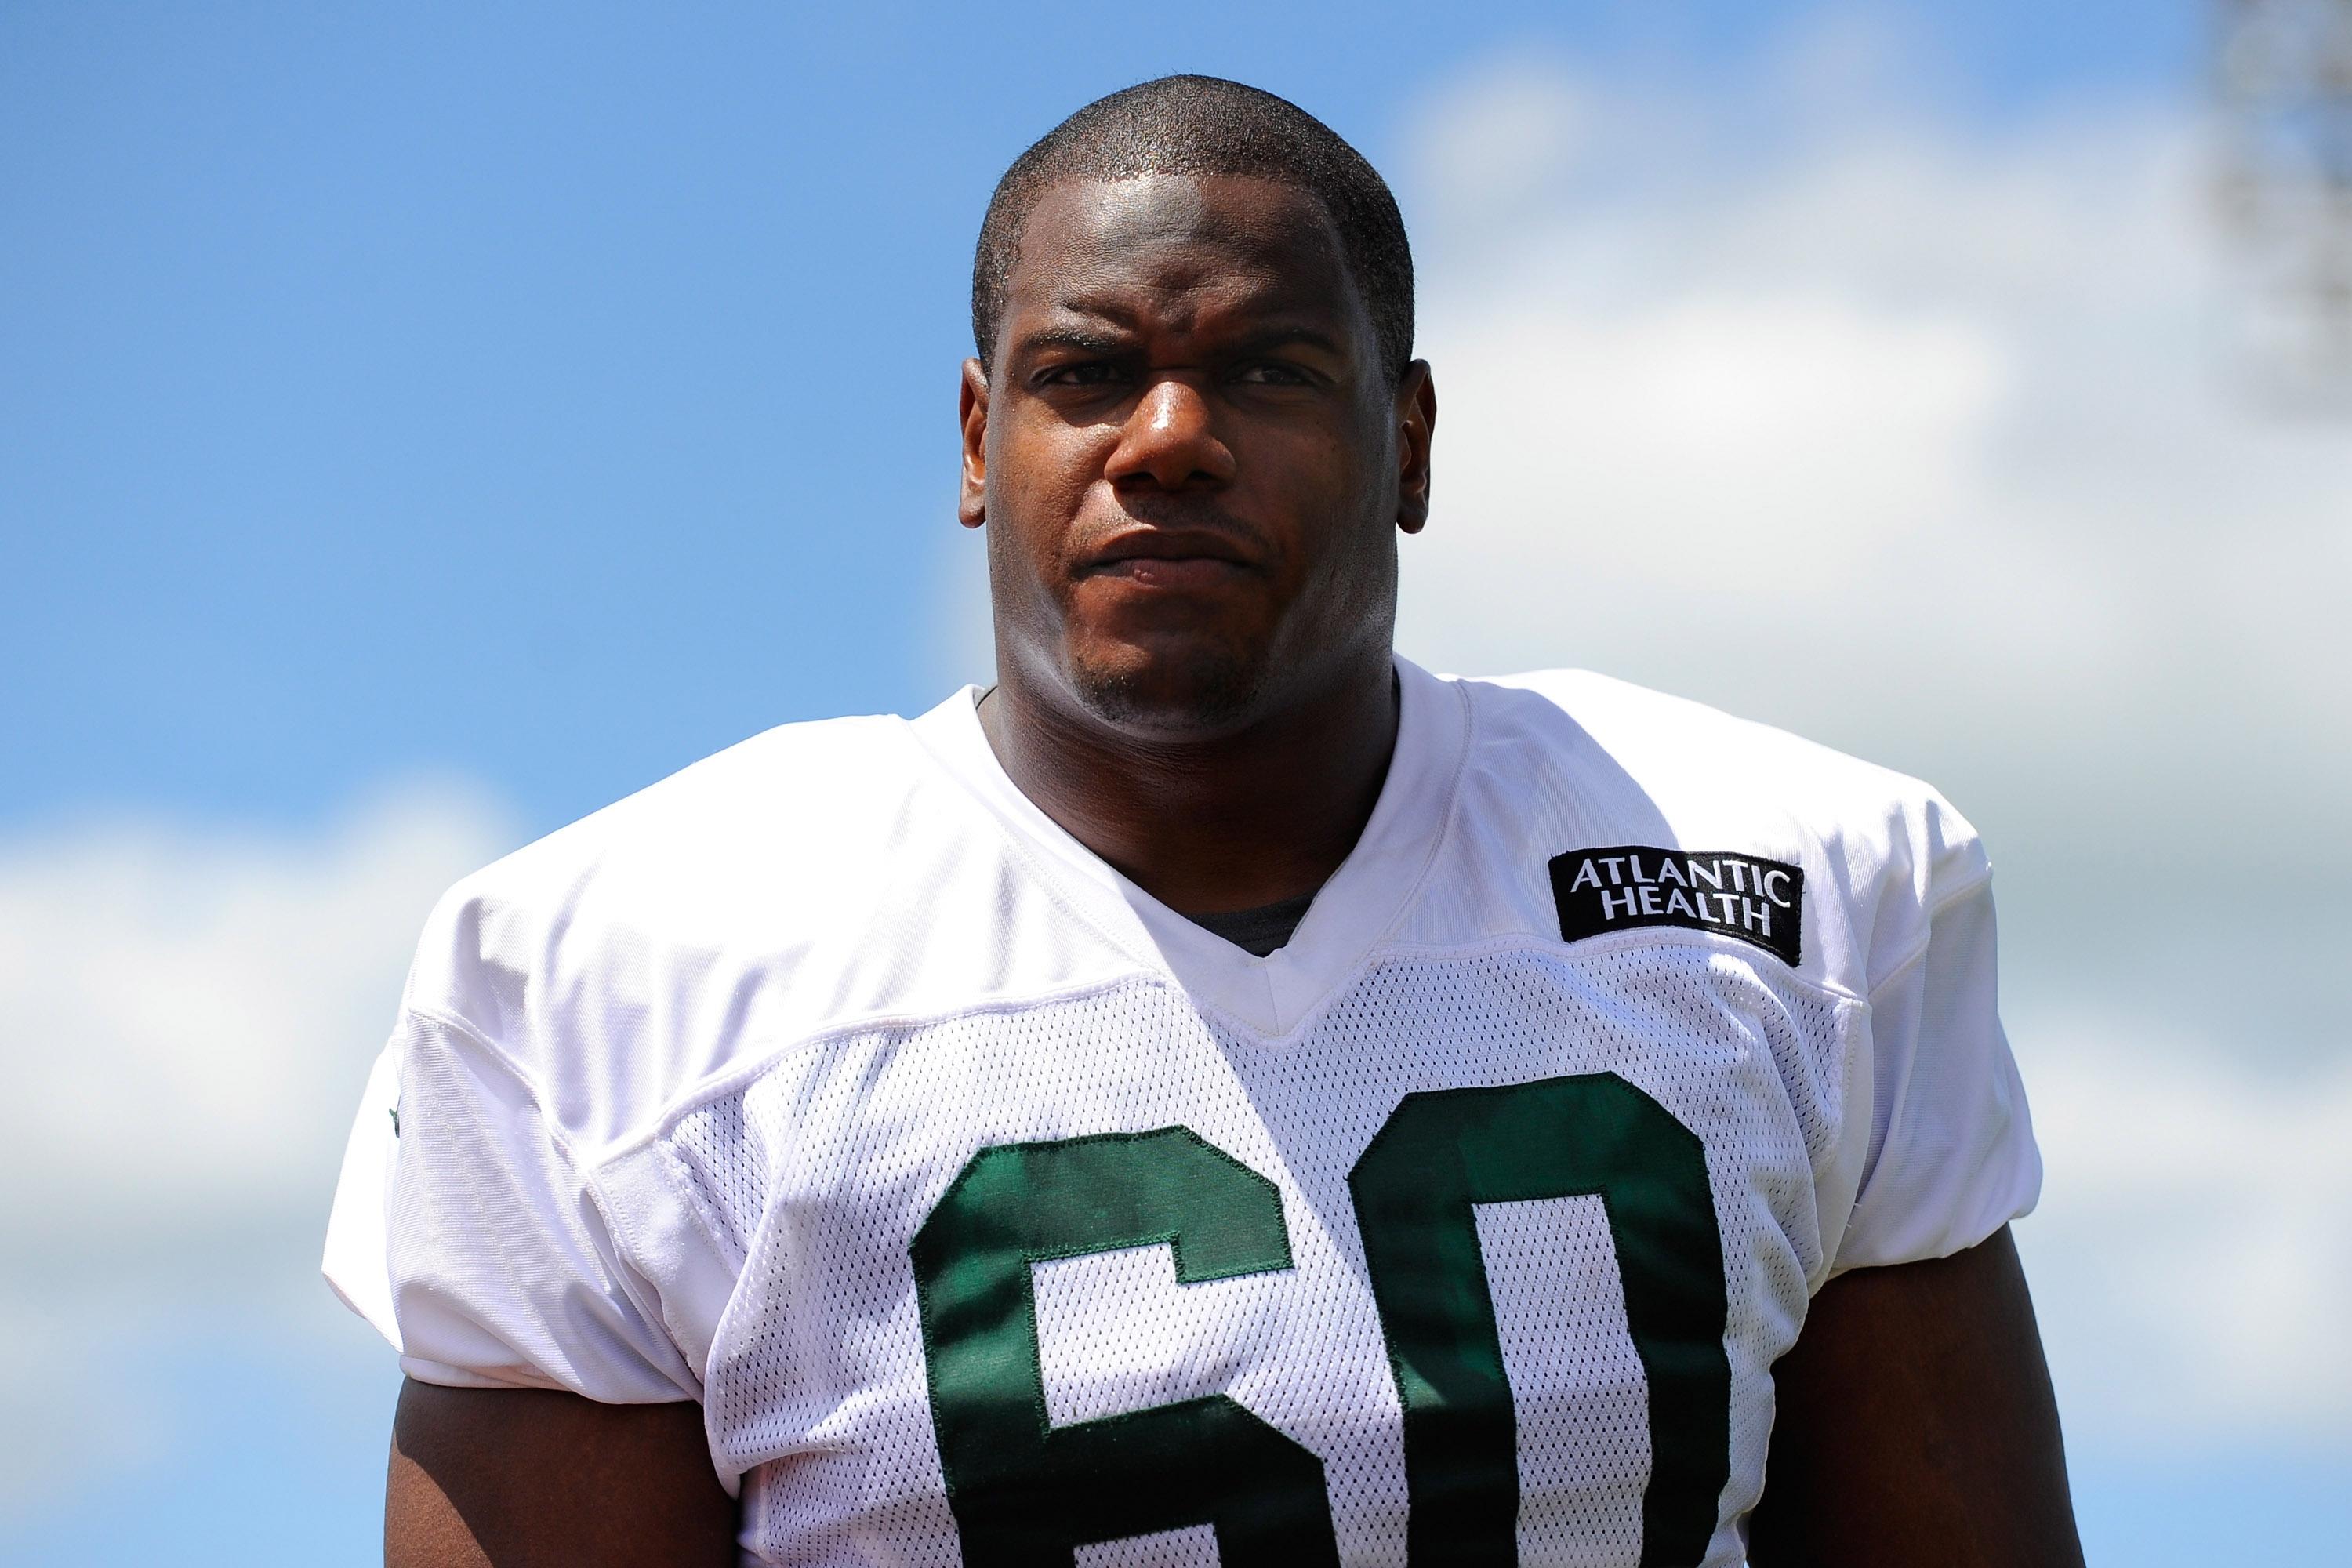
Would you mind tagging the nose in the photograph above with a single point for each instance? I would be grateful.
(1169, 442)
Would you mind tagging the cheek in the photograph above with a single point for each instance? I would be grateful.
(1342, 500)
(1039, 478)
(1348, 563)
(1330, 465)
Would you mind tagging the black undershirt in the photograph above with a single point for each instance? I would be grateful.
(1260, 930)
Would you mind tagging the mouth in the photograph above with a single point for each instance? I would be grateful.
(1169, 557)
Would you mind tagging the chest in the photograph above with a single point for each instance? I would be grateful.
(1489, 1263)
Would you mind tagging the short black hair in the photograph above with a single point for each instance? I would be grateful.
(1205, 125)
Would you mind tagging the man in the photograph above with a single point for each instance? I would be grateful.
(1222, 1094)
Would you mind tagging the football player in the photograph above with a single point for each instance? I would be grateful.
(1221, 1094)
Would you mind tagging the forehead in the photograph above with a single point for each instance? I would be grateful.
(1179, 245)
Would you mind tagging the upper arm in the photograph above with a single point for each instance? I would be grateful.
(1916, 1425)
(515, 1478)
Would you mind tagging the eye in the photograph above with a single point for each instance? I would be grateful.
(1080, 373)
(1273, 373)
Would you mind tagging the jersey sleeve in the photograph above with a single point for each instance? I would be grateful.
(1951, 1156)
(476, 1242)
(354, 1263)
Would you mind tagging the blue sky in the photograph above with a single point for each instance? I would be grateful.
(421, 426)
(555, 394)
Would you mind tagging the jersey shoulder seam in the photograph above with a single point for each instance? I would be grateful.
(741, 1074)
(1538, 942)
(1918, 950)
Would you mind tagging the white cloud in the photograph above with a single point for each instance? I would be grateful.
(2192, 1262)
(187, 1018)
(1515, 140)
(1906, 434)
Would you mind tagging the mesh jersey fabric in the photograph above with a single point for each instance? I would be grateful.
(678, 1085)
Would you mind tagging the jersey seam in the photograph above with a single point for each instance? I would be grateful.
(1717, 941)
(1919, 949)
(468, 1377)
(743, 1074)
(685, 1174)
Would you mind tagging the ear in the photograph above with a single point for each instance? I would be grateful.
(971, 410)
(1416, 419)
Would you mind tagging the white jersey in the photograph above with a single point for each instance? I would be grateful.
(997, 1213)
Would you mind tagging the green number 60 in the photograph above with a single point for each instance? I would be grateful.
(1026, 1491)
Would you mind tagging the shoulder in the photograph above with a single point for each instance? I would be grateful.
(610, 964)
(1883, 848)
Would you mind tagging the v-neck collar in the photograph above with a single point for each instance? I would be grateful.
(1352, 911)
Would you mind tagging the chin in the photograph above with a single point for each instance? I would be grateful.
(1197, 690)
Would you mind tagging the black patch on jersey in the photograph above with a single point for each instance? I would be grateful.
(1757, 900)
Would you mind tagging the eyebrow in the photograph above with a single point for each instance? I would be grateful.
(1284, 337)
(1077, 337)
(1083, 340)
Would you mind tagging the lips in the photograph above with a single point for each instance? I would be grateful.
(1169, 555)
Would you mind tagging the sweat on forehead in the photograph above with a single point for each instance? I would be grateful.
(1206, 127)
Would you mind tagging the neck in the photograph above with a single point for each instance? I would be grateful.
(1253, 817)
